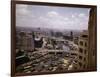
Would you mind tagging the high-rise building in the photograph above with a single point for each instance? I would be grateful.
(92, 39)
(83, 50)
(71, 35)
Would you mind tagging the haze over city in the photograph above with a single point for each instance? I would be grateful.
(61, 18)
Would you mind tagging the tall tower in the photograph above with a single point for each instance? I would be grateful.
(71, 35)
(92, 39)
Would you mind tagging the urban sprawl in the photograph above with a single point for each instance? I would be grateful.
(38, 50)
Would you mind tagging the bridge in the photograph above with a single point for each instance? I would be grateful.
(55, 51)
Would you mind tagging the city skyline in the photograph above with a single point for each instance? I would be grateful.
(61, 18)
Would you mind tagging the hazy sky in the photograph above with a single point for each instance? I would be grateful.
(52, 17)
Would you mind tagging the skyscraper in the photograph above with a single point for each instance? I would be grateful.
(92, 39)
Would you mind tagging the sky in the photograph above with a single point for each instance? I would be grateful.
(52, 17)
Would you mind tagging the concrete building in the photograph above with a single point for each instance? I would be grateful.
(26, 41)
(83, 50)
(92, 39)
(75, 40)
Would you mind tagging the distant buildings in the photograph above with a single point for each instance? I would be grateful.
(38, 42)
(25, 41)
(75, 40)
(70, 37)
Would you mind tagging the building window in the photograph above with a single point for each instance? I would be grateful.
(80, 64)
(85, 44)
(51, 53)
(85, 36)
(85, 51)
(80, 50)
(73, 54)
(84, 66)
(75, 67)
(59, 52)
(80, 57)
(84, 59)
(81, 43)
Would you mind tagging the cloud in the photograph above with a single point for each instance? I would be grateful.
(52, 14)
(22, 9)
(73, 16)
(50, 18)
(66, 19)
(57, 21)
(82, 15)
